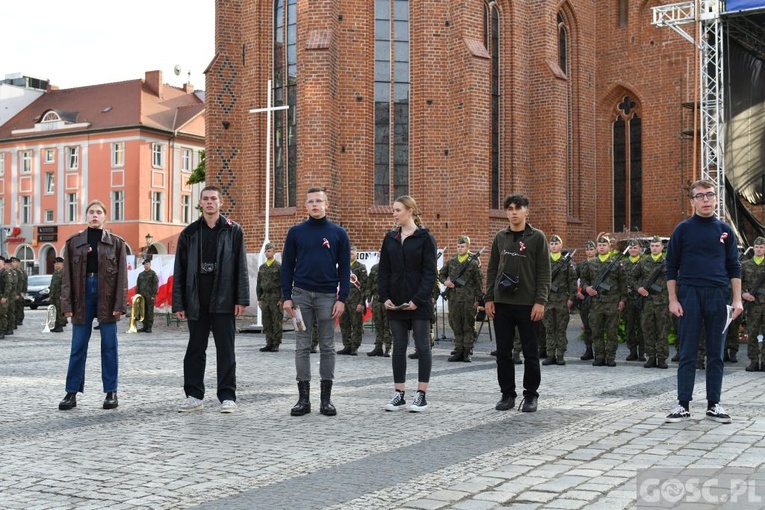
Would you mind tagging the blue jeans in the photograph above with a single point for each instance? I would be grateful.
(75, 375)
(320, 305)
(707, 306)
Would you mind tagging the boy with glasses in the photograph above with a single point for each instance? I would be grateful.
(703, 274)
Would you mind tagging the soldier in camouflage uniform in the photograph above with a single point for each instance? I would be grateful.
(607, 302)
(559, 302)
(753, 294)
(650, 282)
(584, 305)
(352, 319)
(12, 294)
(55, 294)
(269, 292)
(3, 300)
(21, 287)
(463, 280)
(379, 317)
(147, 286)
(631, 313)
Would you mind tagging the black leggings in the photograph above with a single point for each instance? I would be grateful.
(421, 331)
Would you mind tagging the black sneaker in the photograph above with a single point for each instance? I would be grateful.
(397, 402)
(678, 414)
(419, 403)
(718, 414)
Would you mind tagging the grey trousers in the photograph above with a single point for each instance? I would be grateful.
(320, 305)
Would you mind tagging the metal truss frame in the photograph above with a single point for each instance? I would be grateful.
(712, 90)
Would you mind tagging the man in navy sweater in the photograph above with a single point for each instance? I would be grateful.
(703, 275)
(316, 258)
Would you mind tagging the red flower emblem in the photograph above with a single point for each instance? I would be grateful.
(523, 246)
(90, 249)
(723, 237)
(325, 243)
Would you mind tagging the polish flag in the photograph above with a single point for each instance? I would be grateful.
(163, 266)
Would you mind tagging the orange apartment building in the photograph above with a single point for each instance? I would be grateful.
(131, 144)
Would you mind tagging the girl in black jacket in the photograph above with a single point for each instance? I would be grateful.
(407, 274)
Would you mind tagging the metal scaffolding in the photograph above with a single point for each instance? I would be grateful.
(709, 41)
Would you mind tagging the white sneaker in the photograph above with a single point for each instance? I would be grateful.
(227, 406)
(191, 404)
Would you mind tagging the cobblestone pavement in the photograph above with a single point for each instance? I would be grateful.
(595, 428)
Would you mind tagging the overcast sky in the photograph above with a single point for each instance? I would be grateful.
(74, 43)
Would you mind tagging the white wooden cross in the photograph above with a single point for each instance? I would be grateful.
(269, 109)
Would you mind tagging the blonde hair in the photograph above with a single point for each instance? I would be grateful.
(411, 205)
(95, 202)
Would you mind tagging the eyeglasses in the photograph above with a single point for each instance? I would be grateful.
(701, 196)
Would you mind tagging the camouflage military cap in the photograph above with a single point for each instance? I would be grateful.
(604, 239)
(555, 238)
(59, 259)
(463, 240)
(270, 246)
(634, 242)
(656, 239)
(14, 259)
(759, 240)
(589, 245)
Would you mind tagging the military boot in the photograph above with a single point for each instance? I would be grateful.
(303, 405)
(661, 363)
(650, 363)
(600, 361)
(733, 357)
(387, 351)
(549, 361)
(588, 355)
(633, 356)
(326, 407)
(754, 366)
(517, 358)
(345, 350)
(377, 351)
(456, 357)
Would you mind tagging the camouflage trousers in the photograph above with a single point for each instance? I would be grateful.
(584, 314)
(556, 321)
(655, 321)
(10, 314)
(755, 320)
(462, 322)
(351, 324)
(3, 317)
(604, 319)
(60, 318)
(382, 326)
(148, 313)
(272, 322)
(633, 330)
(19, 311)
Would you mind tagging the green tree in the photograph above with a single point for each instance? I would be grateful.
(198, 175)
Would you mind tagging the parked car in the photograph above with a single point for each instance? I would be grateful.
(38, 291)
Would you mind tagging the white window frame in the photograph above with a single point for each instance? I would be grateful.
(25, 162)
(118, 154)
(118, 205)
(50, 156)
(50, 183)
(49, 217)
(186, 160)
(157, 155)
(2, 164)
(25, 209)
(157, 199)
(186, 209)
(2, 211)
(71, 207)
(73, 157)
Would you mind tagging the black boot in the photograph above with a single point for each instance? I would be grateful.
(588, 355)
(266, 348)
(733, 357)
(517, 358)
(414, 355)
(542, 352)
(754, 366)
(676, 357)
(641, 354)
(457, 357)
(377, 351)
(387, 351)
(550, 361)
(327, 408)
(726, 357)
(69, 402)
(303, 405)
(651, 363)
(345, 350)
(633, 356)
(661, 363)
